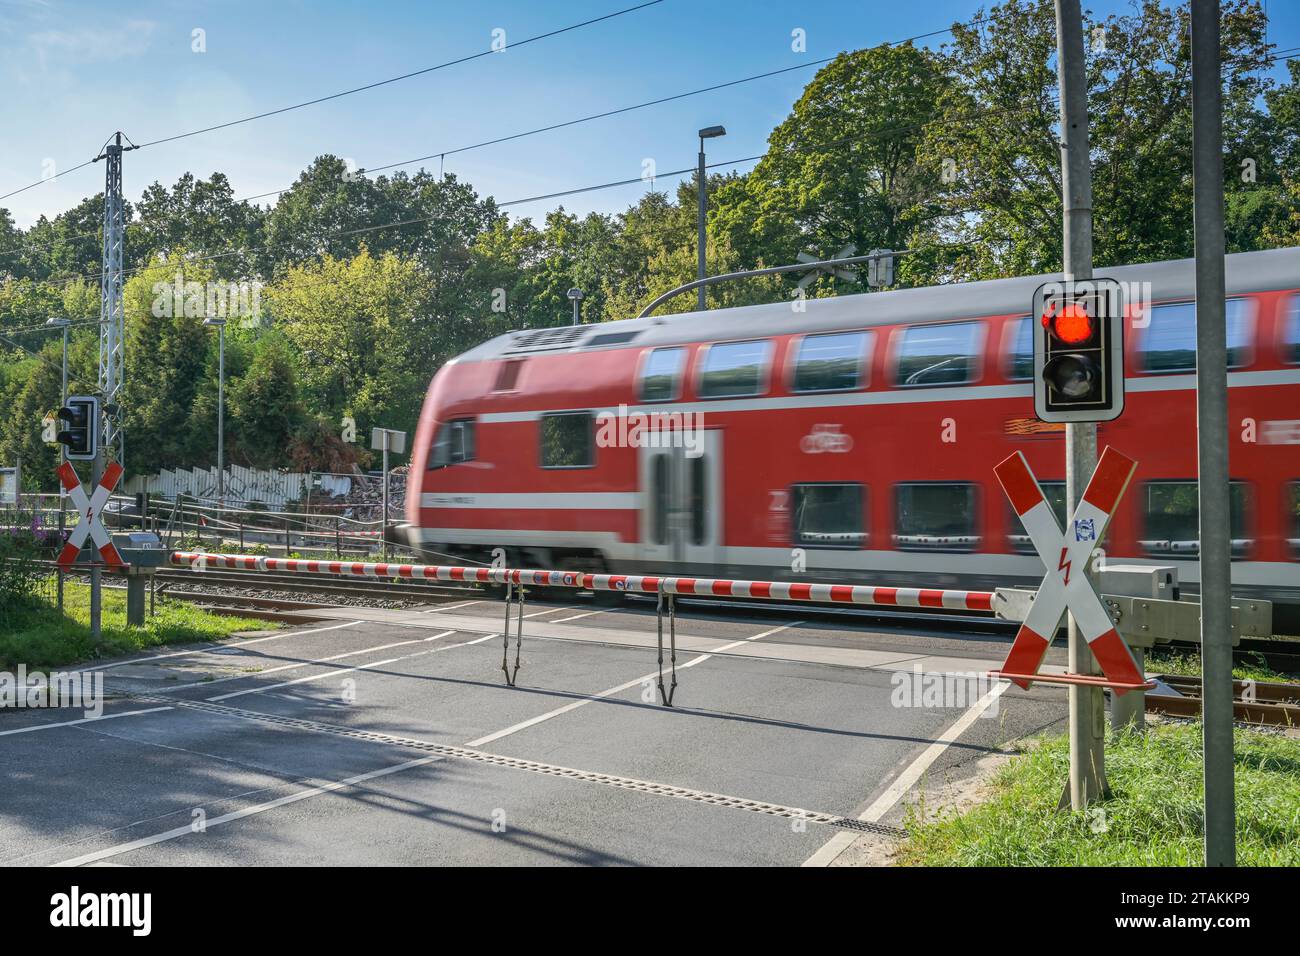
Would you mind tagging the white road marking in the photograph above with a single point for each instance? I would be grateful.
(907, 779)
(188, 828)
(561, 620)
(319, 660)
(348, 670)
(550, 610)
(449, 607)
(81, 720)
(219, 646)
(653, 675)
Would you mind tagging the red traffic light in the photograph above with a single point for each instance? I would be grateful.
(1071, 325)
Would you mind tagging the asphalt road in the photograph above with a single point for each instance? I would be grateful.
(396, 741)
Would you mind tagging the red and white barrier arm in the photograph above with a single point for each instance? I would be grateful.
(641, 584)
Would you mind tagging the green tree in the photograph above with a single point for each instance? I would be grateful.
(997, 139)
(843, 167)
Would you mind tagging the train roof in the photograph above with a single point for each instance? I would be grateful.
(1245, 272)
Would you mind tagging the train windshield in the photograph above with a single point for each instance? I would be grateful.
(454, 443)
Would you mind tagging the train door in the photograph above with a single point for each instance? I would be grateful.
(681, 507)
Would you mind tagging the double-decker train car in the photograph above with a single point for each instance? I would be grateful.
(852, 438)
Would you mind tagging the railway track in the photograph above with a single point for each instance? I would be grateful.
(1253, 702)
(341, 585)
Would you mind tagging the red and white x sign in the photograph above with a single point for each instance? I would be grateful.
(1066, 555)
(91, 525)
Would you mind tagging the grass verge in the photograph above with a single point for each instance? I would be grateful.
(1189, 665)
(41, 637)
(1154, 817)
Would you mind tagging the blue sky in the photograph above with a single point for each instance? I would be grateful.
(73, 72)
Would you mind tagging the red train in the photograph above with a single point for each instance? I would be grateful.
(851, 438)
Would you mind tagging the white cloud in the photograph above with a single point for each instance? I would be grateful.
(59, 49)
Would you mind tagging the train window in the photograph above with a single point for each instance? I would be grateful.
(1171, 514)
(659, 499)
(699, 499)
(735, 368)
(938, 354)
(661, 374)
(828, 515)
(1054, 491)
(453, 443)
(1291, 332)
(1020, 351)
(1293, 512)
(934, 516)
(1168, 344)
(831, 362)
(567, 440)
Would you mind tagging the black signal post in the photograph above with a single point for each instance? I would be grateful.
(1078, 331)
(81, 436)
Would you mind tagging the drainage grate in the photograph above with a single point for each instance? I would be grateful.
(530, 766)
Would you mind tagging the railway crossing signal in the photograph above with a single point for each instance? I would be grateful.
(91, 508)
(1066, 584)
(81, 437)
(1078, 331)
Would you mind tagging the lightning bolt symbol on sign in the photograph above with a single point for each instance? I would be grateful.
(1064, 565)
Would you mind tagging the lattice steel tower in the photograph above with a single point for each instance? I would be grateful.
(112, 325)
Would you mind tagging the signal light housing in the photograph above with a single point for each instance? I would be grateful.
(81, 437)
(1079, 351)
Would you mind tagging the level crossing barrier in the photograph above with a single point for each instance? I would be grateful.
(665, 589)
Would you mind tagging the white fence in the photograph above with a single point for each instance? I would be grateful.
(243, 485)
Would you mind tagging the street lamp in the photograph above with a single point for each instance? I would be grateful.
(220, 325)
(701, 184)
(575, 296)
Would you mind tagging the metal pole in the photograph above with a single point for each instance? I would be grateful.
(221, 417)
(702, 202)
(383, 525)
(97, 472)
(1087, 704)
(1212, 437)
(63, 457)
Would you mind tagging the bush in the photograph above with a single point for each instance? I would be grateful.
(21, 573)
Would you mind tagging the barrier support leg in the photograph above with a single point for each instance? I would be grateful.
(667, 695)
(514, 594)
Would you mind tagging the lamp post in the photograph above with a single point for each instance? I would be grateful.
(575, 296)
(62, 324)
(220, 325)
(701, 188)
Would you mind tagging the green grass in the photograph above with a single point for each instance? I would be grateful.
(1154, 817)
(41, 637)
(1190, 665)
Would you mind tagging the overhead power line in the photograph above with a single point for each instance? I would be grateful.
(572, 122)
(358, 89)
(810, 148)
